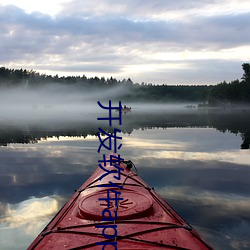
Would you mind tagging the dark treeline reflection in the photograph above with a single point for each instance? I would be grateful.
(234, 121)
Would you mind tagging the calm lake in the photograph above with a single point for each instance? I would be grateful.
(198, 160)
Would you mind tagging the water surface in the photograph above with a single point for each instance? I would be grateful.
(193, 158)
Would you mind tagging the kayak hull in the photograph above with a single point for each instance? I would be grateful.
(134, 216)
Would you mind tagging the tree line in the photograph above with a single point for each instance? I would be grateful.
(236, 91)
(235, 122)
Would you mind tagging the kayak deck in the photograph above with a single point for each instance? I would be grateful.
(143, 219)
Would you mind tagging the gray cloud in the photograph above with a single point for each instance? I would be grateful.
(132, 8)
(224, 31)
(116, 29)
(105, 39)
(85, 68)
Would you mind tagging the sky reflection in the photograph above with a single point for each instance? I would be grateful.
(23, 220)
(199, 171)
(185, 139)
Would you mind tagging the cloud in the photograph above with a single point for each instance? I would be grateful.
(144, 10)
(91, 37)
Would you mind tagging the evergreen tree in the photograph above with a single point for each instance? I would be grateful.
(246, 69)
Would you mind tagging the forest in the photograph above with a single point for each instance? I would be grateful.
(224, 93)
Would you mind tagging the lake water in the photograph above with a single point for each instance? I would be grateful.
(197, 160)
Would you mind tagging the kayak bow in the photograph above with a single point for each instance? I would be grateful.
(141, 219)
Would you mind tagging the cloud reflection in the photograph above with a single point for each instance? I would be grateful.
(222, 156)
(228, 203)
(22, 222)
(28, 212)
(198, 171)
(225, 215)
(187, 144)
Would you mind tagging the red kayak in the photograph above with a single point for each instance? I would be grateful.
(116, 209)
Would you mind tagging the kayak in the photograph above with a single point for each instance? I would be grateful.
(116, 209)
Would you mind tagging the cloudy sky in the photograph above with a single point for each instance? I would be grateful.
(154, 41)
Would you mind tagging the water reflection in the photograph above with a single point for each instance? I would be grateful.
(31, 131)
(20, 222)
(31, 210)
(195, 166)
(199, 172)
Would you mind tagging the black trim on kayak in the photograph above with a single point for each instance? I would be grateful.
(128, 237)
(130, 176)
(161, 225)
(167, 226)
(126, 222)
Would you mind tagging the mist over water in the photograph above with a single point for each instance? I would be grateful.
(61, 102)
(191, 156)
(59, 108)
(53, 102)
